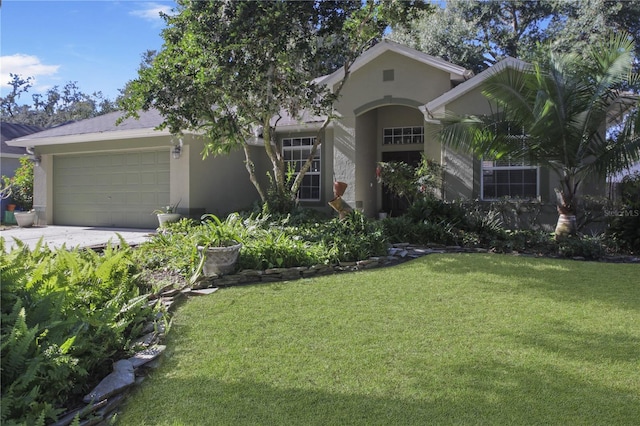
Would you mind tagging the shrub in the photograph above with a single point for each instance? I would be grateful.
(20, 187)
(434, 210)
(400, 229)
(171, 250)
(354, 238)
(487, 225)
(277, 249)
(409, 182)
(576, 246)
(624, 220)
(66, 315)
(405, 229)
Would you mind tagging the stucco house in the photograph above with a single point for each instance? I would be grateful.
(94, 173)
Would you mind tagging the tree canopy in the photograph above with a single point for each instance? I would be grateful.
(228, 68)
(477, 34)
(56, 106)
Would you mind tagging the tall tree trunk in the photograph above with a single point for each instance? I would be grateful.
(251, 168)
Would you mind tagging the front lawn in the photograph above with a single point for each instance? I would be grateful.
(445, 339)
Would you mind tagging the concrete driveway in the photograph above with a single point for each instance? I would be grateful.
(73, 236)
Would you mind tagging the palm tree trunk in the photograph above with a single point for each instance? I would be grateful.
(565, 196)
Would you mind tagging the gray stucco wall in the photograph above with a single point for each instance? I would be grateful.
(367, 142)
(367, 105)
(221, 185)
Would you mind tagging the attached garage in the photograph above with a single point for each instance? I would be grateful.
(117, 189)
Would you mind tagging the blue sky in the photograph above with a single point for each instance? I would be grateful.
(97, 43)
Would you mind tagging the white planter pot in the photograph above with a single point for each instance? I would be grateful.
(219, 260)
(25, 219)
(167, 217)
(382, 215)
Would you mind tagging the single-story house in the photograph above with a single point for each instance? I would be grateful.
(10, 155)
(94, 173)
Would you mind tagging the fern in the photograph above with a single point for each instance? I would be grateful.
(65, 313)
(21, 364)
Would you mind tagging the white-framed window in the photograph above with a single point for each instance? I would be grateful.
(295, 152)
(402, 135)
(513, 178)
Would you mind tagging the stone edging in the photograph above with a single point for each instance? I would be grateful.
(398, 253)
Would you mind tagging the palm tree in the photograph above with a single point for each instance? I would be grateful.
(554, 114)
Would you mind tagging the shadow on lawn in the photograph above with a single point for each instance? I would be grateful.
(473, 394)
(562, 339)
(559, 279)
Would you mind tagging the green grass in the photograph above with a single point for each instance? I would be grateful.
(445, 339)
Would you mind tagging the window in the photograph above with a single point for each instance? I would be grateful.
(508, 178)
(295, 152)
(403, 135)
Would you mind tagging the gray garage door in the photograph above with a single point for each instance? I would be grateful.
(116, 190)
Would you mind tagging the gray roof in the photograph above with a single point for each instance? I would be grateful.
(10, 131)
(101, 124)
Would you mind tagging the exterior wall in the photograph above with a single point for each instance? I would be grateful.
(367, 105)
(367, 143)
(105, 146)
(43, 190)
(8, 165)
(220, 185)
(412, 80)
(462, 170)
(327, 165)
(344, 156)
(179, 181)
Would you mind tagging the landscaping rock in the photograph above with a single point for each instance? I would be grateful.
(146, 340)
(251, 273)
(121, 378)
(309, 273)
(228, 280)
(146, 356)
(110, 406)
(204, 291)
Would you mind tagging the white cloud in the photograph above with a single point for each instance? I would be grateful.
(25, 66)
(151, 11)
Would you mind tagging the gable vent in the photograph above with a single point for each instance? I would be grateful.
(388, 75)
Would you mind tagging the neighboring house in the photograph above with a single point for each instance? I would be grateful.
(10, 155)
(95, 173)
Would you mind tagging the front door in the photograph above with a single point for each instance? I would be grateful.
(392, 204)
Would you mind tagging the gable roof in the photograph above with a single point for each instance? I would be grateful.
(469, 85)
(619, 107)
(104, 128)
(9, 131)
(457, 73)
(98, 128)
